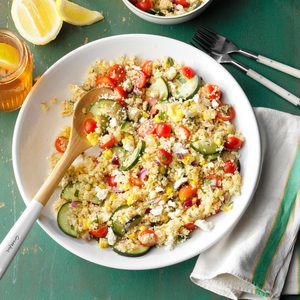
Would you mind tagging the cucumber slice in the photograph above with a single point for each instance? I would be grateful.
(205, 147)
(127, 127)
(120, 152)
(185, 87)
(62, 220)
(132, 159)
(120, 228)
(159, 88)
(109, 108)
(71, 192)
(212, 157)
(134, 251)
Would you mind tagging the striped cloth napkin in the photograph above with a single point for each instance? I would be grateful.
(258, 257)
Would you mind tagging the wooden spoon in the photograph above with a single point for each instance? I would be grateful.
(77, 144)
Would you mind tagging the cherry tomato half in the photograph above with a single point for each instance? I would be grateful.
(233, 143)
(116, 73)
(89, 125)
(144, 5)
(190, 226)
(61, 144)
(111, 180)
(100, 232)
(188, 72)
(148, 238)
(147, 67)
(214, 181)
(214, 92)
(108, 142)
(163, 130)
(135, 180)
(183, 133)
(146, 129)
(140, 79)
(229, 167)
(184, 3)
(106, 81)
(225, 112)
(186, 192)
(164, 157)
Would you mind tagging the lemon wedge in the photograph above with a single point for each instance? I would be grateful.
(9, 57)
(37, 21)
(77, 15)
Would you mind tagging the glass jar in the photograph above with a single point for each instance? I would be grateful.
(16, 82)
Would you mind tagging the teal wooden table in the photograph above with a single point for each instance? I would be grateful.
(43, 269)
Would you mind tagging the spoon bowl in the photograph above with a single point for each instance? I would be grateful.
(76, 145)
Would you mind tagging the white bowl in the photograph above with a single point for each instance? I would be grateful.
(36, 130)
(168, 20)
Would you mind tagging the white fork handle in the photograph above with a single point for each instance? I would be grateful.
(274, 87)
(279, 66)
(15, 237)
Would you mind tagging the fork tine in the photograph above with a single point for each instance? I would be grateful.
(207, 35)
(202, 37)
(203, 41)
(209, 32)
(197, 44)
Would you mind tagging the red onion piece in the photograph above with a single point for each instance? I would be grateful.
(86, 236)
(74, 204)
(180, 155)
(115, 161)
(198, 202)
(143, 175)
(137, 91)
(117, 190)
(194, 163)
(188, 203)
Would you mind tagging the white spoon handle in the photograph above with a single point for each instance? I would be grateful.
(279, 66)
(15, 237)
(274, 87)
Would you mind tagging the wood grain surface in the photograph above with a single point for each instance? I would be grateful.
(43, 269)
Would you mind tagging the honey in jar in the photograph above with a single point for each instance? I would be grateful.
(15, 71)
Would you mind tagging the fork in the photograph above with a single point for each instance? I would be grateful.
(221, 44)
(201, 43)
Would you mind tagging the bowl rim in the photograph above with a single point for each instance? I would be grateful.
(127, 2)
(65, 245)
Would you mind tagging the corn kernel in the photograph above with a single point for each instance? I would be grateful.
(194, 200)
(218, 142)
(106, 204)
(130, 137)
(83, 223)
(88, 187)
(113, 197)
(146, 156)
(131, 198)
(93, 138)
(125, 186)
(228, 207)
(187, 159)
(193, 183)
(169, 190)
(142, 228)
(203, 162)
(103, 243)
(108, 154)
(131, 236)
(145, 115)
(156, 119)
(67, 131)
(162, 170)
(102, 185)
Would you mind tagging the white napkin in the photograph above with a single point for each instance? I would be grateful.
(252, 261)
